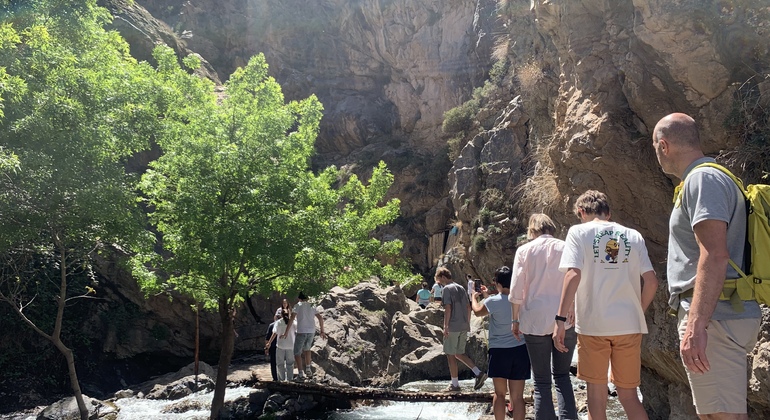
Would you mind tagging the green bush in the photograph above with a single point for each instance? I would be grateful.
(479, 243)
(460, 118)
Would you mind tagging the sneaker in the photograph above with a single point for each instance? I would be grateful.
(451, 388)
(480, 381)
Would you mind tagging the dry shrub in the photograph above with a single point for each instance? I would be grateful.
(749, 120)
(500, 49)
(529, 76)
(540, 192)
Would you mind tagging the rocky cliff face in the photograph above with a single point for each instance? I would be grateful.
(575, 92)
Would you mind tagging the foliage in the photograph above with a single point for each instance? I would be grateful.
(479, 243)
(238, 208)
(455, 146)
(749, 120)
(237, 205)
(75, 106)
(460, 118)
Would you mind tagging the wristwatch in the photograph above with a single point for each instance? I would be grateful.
(561, 318)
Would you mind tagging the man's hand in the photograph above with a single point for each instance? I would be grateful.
(692, 348)
(323, 335)
(446, 331)
(558, 337)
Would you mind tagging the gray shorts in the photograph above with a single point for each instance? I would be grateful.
(303, 342)
(723, 388)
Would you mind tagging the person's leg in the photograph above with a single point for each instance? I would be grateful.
(273, 361)
(626, 363)
(498, 399)
(299, 343)
(466, 360)
(597, 401)
(629, 399)
(539, 349)
(562, 362)
(289, 358)
(280, 357)
(308, 369)
(451, 345)
(593, 362)
(721, 392)
(517, 399)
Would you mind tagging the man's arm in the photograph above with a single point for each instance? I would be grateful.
(709, 281)
(447, 315)
(649, 287)
(567, 301)
(321, 324)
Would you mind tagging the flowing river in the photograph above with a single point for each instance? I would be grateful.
(142, 409)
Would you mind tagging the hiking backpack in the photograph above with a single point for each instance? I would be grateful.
(756, 284)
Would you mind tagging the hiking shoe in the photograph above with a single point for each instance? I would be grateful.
(451, 388)
(479, 381)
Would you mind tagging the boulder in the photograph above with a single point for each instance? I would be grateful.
(67, 409)
(180, 388)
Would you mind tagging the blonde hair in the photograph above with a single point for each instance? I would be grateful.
(540, 224)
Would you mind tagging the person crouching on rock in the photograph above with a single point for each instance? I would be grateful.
(284, 353)
(423, 296)
(457, 323)
(509, 363)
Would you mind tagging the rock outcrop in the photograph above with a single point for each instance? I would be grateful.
(377, 336)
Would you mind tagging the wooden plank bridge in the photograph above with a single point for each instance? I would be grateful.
(358, 393)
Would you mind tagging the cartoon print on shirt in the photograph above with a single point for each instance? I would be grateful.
(612, 246)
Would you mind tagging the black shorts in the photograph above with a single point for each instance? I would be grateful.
(437, 299)
(510, 363)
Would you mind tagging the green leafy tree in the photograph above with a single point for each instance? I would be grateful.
(75, 106)
(239, 210)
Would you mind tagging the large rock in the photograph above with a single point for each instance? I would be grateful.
(181, 388)
(67, 409)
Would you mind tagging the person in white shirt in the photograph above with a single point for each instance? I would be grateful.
(603, 262)
(304, 313)
(471, 286)
(285, 332)
(534, 297)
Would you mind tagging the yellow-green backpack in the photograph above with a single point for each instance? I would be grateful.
(755, 284)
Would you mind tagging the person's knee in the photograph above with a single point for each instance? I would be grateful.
(628, 396)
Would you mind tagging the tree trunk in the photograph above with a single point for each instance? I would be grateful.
(225, 356)
(70, 357)
(56, 336)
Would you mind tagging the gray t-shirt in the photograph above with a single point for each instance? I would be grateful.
(708, 194)
(455, 295)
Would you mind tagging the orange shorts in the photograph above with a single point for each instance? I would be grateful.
(623, 352)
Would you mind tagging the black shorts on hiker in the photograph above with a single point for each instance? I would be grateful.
(510, 363)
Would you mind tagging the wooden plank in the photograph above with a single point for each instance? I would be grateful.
(356, 393)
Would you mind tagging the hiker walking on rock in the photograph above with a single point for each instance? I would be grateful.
(535, 292)
(707, 230)
(457, 324)
(603, 262)
(508, 359)
(305, 313)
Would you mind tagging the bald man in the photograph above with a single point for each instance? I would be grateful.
(707, 228)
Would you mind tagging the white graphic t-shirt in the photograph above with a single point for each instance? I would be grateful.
(611, 259)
